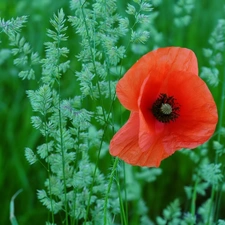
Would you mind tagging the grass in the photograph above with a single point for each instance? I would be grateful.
(17, 131)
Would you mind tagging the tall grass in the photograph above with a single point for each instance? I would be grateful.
(59, 68)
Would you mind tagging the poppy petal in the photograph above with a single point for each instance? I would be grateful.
(149, 126)
(126, 136)
(125, 145)
(198, 112)
(197, 117)
(176, 59)
(161, 60)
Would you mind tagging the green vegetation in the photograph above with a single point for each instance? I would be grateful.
(59, 64)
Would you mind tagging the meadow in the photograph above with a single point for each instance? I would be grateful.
(60, 62)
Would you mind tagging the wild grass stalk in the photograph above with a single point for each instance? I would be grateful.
(82, 185)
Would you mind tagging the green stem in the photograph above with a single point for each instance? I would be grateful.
(48, 170)
(106, 119)
(95, 170)
(92, 58)
(124, 214)
(125, 191)
(99, 151)
(221, 113)
(63, 159)
(109, 188)
(194, 196)
(220, 124)
(61, 137)
(96, 165)
(211, 205)
(75, 169)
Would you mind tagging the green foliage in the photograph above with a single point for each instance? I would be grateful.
(140, 30)
(24, 57)
(204, 212)
(220, 150)
(214, 54)
(70, 186)
(221, 222)
(10, 27)
(30, 156)
(80, 186)
(95, 24)
(182, 11)
(73, 186)
(171, 214)
(211, 173)
(4, 55)
(12, 208)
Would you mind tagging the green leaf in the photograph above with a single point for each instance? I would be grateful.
(11, 209)
(30, 156)
(131, 9)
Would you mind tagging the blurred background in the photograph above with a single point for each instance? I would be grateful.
(16, 131)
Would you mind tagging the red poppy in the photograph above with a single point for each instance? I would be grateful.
(171, 107)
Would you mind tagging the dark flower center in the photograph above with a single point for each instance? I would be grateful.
(165, 108)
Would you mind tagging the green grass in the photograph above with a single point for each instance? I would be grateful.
(18, 133)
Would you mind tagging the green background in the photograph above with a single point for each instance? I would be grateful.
(16, 131)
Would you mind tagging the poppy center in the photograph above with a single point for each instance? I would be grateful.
(165, 108)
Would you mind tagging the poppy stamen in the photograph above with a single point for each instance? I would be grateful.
(165, 108)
